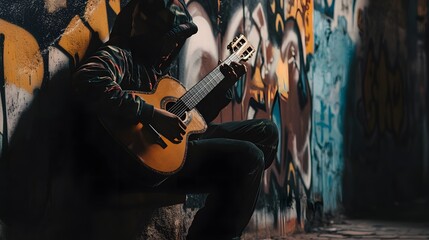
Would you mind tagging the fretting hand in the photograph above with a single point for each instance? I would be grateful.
(169, 125)
(233, 72)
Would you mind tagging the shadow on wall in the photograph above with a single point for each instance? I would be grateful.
(36, 166)
(43, 177)
(385, 130)
(42, 190)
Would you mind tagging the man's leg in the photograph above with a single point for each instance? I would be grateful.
(261, 132)
(230, 171)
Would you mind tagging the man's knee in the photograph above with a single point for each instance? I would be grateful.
(268, 129)
(254, 157)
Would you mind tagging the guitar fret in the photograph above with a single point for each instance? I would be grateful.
(207, 84)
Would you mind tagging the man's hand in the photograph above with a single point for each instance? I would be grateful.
(233, 72)
(169, 125)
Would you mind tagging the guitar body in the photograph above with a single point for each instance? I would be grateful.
(139, 140)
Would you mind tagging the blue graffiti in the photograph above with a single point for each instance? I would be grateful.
(324, 124)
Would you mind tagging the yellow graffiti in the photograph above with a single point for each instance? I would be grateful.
(280, 26)
(302, 11)
(291, 174)
(23, 62)
(75, 39)
(257, 78)
(115, 5)
(273, 6)
(282, 73)
(255, 88)
(96, 16)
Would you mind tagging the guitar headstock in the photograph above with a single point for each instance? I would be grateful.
(241, 47)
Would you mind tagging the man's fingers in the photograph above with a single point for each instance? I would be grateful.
(233, 71)
(240, 69)
(228, 71)
(224, 69)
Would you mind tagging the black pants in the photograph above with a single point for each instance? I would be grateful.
(227, 162)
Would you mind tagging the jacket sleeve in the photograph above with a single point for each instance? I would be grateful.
(96, 86)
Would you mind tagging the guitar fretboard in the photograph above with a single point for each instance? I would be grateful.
(201, 89)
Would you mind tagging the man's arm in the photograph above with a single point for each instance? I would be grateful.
(96, 84)
(222, 94)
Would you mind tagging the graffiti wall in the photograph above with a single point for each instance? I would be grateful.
(276, 87)
(345, 85)
(39, 41)
(337, 38)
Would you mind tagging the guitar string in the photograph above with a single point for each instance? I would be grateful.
(188, 95)
(211, 79)
(190, 101)
(182, 108)
(187, 98)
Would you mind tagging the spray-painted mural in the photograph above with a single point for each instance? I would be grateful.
(33, 52)
(276, 87)
(335, 30)
(333, 75)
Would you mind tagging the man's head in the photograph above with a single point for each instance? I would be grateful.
(158, 30)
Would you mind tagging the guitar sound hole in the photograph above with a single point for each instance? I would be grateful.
(169, 105)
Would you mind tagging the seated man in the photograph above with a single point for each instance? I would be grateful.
(226, 161)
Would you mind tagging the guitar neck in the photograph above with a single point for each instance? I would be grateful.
(240, 49)
(201, 89)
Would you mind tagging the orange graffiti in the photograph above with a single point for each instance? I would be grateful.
(96, 15)
(302, 11)
(115, 5)
(282, 73)
(280, 26)
(75, 39)
(23, 62)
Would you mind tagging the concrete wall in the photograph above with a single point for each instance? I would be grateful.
(344, 80)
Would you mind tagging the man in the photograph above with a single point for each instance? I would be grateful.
(227, 161)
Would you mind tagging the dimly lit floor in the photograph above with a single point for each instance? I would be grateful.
(368, 229)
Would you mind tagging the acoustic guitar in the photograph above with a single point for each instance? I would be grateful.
(150, 148)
